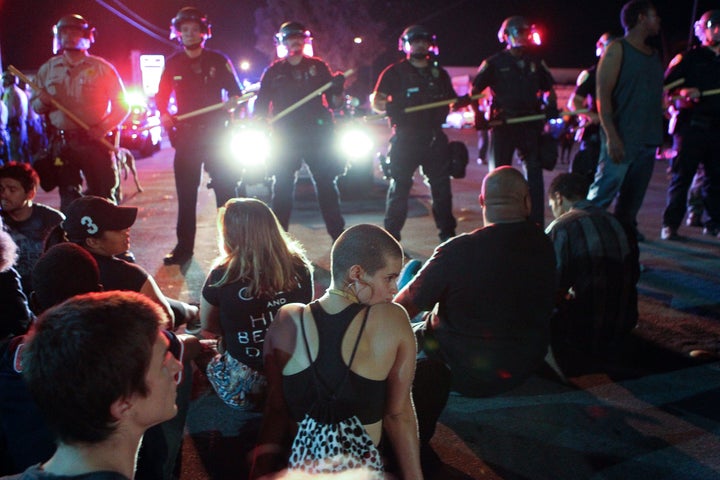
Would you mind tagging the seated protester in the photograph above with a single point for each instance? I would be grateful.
(21, 422)
(22, 428)
(29, 223)
(15, 317)
(344, 363)
(491, 294)
(260, 269)
(597, 271)
(115, 340)
(103, 229)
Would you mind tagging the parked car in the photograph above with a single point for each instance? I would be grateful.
(141, 132)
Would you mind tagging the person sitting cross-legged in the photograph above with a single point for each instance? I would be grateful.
(490, 292)
(597, 271)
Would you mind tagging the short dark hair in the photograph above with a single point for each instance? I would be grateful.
(51, 282)
(365, 245)
(85, 354)
(572, 186)
(632, 10)
(23, 173)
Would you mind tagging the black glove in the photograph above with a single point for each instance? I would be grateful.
(338, 84)
(394, 110)
(481, 123)
(462, 102)
(551, 111)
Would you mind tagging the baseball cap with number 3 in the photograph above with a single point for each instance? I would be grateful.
(89, 216)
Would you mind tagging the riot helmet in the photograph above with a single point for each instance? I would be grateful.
(515, 31)
(77, 22)
(190, 14)
(705, 27)
(293, 29)
(416, 32)
(603, 42)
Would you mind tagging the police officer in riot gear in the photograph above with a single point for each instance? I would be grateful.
(519, 80)
(89, 87)
(583, 97)
(697, 125)
(305, 134)
(418, 138)
(200, 77)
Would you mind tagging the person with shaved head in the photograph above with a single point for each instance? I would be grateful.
(490, 292)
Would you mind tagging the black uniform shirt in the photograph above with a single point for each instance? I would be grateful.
(700, 68)
(197, 82)
(516, 83)
(410, 86)
(283, 84)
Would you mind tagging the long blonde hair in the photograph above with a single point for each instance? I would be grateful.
(255, 248)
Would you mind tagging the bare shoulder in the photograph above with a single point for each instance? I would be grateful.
(282, 332)
(391, 318)
(287, 316)
(614, 52)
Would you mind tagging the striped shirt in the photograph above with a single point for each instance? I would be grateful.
(597, 269)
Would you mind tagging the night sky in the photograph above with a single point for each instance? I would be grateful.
(466, 30)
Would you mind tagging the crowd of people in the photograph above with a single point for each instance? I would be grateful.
(96, 367)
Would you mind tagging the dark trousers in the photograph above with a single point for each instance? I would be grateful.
(96, 163)
(324, 165)
(525, 138)
(429, 151)
(694, 146)
(191, 152)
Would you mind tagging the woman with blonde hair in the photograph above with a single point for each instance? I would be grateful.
(260, 268)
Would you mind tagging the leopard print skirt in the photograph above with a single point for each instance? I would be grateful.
(335, 447)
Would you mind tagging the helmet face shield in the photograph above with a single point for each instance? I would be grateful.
(289, 32)
(414, 33)
(63, 38)
(517, 32)
(602, 43)
(190, 14)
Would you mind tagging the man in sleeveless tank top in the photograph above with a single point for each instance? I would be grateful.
(629, 93)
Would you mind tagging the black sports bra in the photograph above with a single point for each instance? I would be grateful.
(349, 393)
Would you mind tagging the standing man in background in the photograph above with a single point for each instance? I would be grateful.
(629, 97)
(16, 102)
(696, 132)
(91, 88)
(199, 77)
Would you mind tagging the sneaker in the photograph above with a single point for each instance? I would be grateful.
(669, 233)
